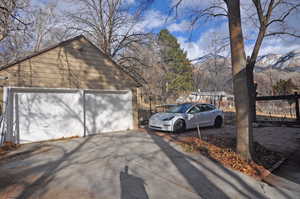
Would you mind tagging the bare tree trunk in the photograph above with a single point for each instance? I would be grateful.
(241, 90)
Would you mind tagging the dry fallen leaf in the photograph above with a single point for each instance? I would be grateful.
(222, 149)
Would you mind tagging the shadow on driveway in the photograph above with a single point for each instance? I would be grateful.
(132, 186)
(197, 179)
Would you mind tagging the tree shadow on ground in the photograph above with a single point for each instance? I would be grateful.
(30, 189)
(33, 176)
(33, 150)
(199, 181)
(287, 175)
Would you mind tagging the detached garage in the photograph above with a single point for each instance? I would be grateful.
(70, 89)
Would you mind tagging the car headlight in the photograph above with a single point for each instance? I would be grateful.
(168, 118)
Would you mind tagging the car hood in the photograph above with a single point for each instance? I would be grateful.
(161, 116)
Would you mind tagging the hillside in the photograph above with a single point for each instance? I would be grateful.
(289, 62)
(269, 69)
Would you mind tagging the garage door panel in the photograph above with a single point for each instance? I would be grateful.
(44, 116)
(107, 112)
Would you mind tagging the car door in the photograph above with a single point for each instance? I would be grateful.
(204, 115)
(211, 110)
(193, 117)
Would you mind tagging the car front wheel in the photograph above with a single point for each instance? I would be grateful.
(179, 126)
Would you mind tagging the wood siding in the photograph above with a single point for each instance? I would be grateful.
(78, 64)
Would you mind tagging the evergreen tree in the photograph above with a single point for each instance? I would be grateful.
(179, 69)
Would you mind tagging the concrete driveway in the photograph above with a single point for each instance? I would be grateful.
(124, 165)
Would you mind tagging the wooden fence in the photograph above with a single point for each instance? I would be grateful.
(278, 109)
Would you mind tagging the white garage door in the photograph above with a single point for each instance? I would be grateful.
(107, 111)
(44, 114)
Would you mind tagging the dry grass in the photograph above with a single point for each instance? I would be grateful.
(59, 139)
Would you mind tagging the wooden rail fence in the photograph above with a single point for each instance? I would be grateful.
(290, 98)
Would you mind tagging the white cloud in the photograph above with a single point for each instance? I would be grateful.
(278, 45)
(208, 42)
(278, 49)
(129, 2)
(191, 3)
(183, 26)
(152, 19)
(193, 49)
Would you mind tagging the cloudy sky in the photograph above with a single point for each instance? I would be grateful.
(202, 39)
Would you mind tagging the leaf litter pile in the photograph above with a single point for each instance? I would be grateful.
(222, 149)
(8, 146)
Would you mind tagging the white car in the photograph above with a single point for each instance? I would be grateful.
(187, 116)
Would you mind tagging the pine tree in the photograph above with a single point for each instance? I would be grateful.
(179, 69)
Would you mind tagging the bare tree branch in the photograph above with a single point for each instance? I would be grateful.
(283, 17)
(259, 10)
(282, 33)
(263, 20)
(9, 19)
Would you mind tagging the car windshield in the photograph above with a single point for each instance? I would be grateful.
(182, 108)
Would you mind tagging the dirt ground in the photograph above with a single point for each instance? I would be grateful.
(281, 139)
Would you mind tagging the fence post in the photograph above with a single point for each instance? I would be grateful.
(254, 103)
(297, 107)
(254, 107)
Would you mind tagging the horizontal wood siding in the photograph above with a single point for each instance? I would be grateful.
(75, 65)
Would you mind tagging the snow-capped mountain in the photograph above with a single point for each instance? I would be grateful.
(207, 58)
(267, 60)
(289, 62)
(269, 69)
